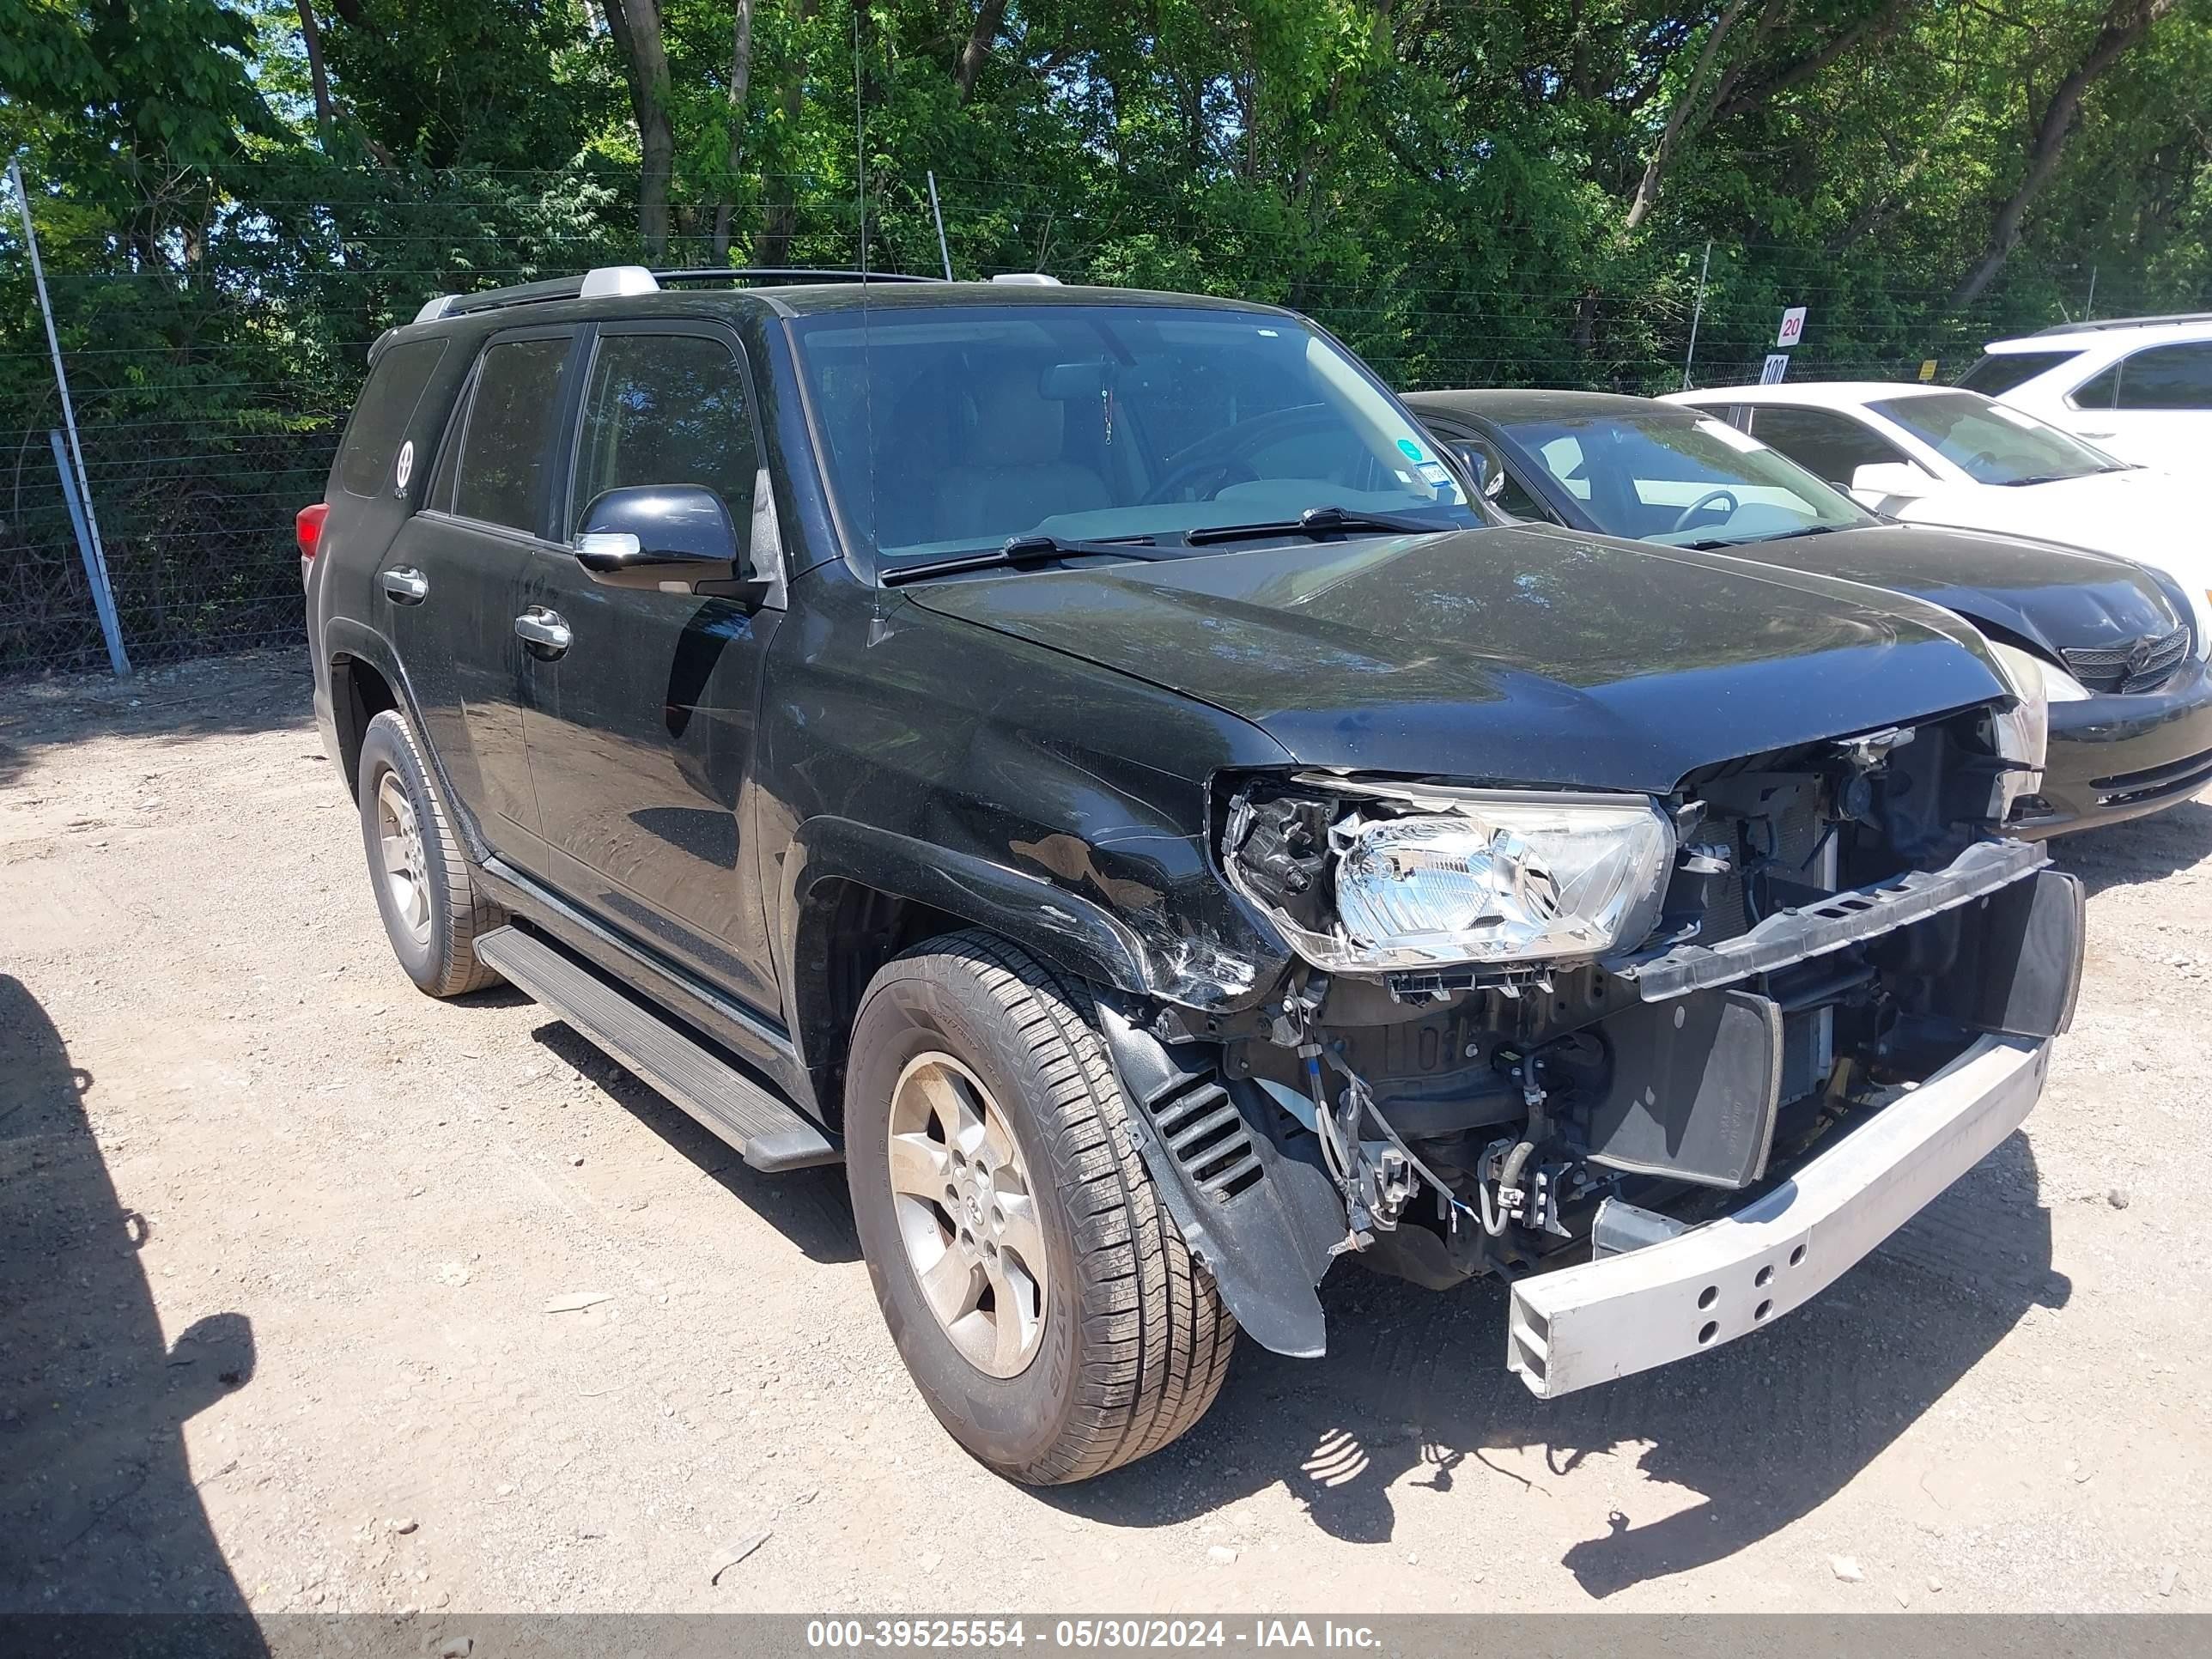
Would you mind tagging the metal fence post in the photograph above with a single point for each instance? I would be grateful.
(95, 568)
(80, 513)
(1697, 315)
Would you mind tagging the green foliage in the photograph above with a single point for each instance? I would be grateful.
(1447, 186)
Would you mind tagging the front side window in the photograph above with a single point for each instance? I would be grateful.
(945, 428)
(664, 409)
(2168, 377)
(1669, 477)
(1999, 372)
(1829, 445)
(505, 446)
(1993, 443)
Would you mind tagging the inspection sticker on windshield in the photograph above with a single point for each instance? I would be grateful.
(1411, 450)
(1729, 435)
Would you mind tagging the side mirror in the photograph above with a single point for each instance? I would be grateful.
(1489, 478)
(666, 538)
(1879, 481)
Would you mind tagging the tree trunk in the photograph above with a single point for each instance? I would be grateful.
(977, 51)
(1678, 118)
(635, 26)
(783, 220)
(311, 38)
(2125, 25)
(741, 73)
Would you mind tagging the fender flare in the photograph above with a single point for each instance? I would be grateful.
(1063, 928)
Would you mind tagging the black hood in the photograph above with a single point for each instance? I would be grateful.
(1520, 655)
(2046, 596)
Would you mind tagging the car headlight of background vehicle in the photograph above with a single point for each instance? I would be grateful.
(1420, 877)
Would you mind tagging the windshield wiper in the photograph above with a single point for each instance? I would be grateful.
(1020, 550)
(1319, 522)
(1720, 542)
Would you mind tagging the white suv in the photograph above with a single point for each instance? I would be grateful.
(2137, 387)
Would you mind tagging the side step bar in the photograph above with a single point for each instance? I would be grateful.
(768, 1134)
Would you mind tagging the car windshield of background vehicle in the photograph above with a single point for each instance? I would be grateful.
(955, 429)
(1665, 478)
(1992, 444)
(2001, 371)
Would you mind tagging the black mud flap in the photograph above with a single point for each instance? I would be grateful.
(1696, 1081)
(2017, 971)
(1262, 1223)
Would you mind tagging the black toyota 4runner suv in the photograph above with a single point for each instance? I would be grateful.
(1081, 758)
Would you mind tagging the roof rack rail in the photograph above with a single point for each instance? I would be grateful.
(2104, 323)
(606, 281)
(787, 274)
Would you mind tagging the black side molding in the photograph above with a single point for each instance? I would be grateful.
(1262, 1223)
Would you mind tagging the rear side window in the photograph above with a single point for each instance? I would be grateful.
(2168, 377)
(2001, 371)
(666, 409)
(500, 476)
(1826, 444)
(384, 415)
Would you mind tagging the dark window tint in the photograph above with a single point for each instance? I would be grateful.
(1828, 444)
(2001, 371)
(666, 409)
(517, 399)
(2099, 389)
(2168, 377)
(382, 417)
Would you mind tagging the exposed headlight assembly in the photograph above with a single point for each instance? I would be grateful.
(1377, 878)
(2021, 733)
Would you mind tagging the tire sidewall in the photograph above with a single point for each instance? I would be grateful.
(1008, 1423)
(385, 748)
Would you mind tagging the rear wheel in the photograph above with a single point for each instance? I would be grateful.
(425, 891)
(1038, 1291)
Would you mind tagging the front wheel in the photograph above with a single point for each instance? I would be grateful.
(1041, 1298)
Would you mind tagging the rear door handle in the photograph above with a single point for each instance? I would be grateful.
(405, 584)
(542, 631)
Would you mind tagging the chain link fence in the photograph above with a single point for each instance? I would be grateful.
(210, 407)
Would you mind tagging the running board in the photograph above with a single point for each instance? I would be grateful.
(767, 1133)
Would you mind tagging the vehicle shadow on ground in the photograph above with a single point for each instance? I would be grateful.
(808, 1206)
(212, 697)
(2146, 850)
(102, 1510)
(1762, 1432)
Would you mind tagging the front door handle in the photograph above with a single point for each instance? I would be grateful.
(404, 585)
(542, 631)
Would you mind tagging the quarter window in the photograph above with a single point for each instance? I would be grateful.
(666, 409)
(501, 478)
(382, 417)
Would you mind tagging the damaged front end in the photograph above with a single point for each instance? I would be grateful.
(1530, 1028)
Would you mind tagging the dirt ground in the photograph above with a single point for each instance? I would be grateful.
(278, 1239)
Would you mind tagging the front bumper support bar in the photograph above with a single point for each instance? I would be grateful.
(1589, 1324)
(1833, 923)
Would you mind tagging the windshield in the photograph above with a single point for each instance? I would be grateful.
(1661, 476)
(953, 428)
(1993, 444)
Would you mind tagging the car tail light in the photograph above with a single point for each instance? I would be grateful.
(309, 526)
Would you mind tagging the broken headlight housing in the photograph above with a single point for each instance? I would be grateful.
(1380, 878)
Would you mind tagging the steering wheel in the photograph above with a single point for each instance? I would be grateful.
(1704, 502)
(1223, 472)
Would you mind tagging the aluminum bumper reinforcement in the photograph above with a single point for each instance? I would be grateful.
(1589, 1324)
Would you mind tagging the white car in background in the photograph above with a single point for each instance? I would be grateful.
(1929, 454)
(2137, 387)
